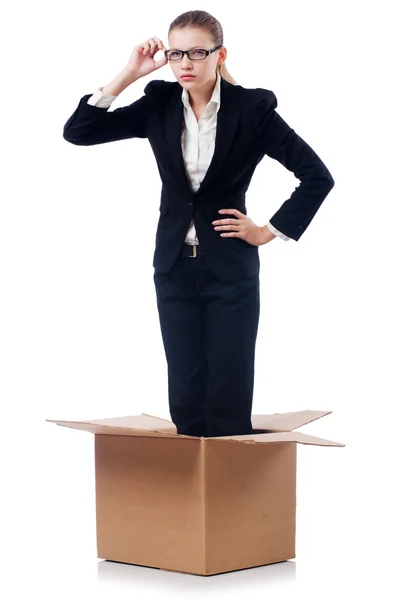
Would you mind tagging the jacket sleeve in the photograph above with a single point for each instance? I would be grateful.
(279, 141)
(90, 124)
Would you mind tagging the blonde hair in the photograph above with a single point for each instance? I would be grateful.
(201, 18)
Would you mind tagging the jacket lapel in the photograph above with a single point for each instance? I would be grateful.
(227, 120)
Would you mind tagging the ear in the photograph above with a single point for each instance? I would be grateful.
(222, 55)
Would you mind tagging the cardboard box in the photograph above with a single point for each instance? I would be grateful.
(196, 505)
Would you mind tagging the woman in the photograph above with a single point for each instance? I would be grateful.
(208, 134)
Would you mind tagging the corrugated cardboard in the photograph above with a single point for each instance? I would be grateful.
(197, 505)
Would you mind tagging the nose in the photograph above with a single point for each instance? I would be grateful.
(186, 62)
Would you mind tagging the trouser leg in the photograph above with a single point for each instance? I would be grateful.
(183, 328)
(232, 316)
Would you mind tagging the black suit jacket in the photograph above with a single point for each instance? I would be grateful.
(248, 127)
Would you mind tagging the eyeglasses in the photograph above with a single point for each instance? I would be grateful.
(195, 54)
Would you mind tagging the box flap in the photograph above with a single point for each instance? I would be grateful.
(278, 437)
(136, 425)
(286, 421)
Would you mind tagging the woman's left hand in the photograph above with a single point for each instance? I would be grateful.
(243, 227)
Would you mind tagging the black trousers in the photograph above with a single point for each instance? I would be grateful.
(209, 329)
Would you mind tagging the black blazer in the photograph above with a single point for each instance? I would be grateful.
(248, 127)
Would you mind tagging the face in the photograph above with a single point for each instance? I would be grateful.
(204, 71)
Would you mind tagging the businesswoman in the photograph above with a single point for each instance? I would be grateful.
(208, 134)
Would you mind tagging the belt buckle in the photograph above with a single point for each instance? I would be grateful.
(192, 248)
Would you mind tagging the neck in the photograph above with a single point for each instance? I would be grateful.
(202, 96)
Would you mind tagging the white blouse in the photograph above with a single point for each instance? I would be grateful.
(197, 141)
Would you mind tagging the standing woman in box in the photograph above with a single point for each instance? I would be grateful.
(208, 134)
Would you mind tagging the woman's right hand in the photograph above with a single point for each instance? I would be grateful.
(141, 61)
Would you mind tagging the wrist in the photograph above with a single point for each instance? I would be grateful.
(266, 235)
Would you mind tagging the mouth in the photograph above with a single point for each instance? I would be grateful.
(188, 76)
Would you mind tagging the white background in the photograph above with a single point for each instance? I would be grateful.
(80, 336)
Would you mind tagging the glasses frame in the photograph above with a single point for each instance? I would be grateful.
(207, 52)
